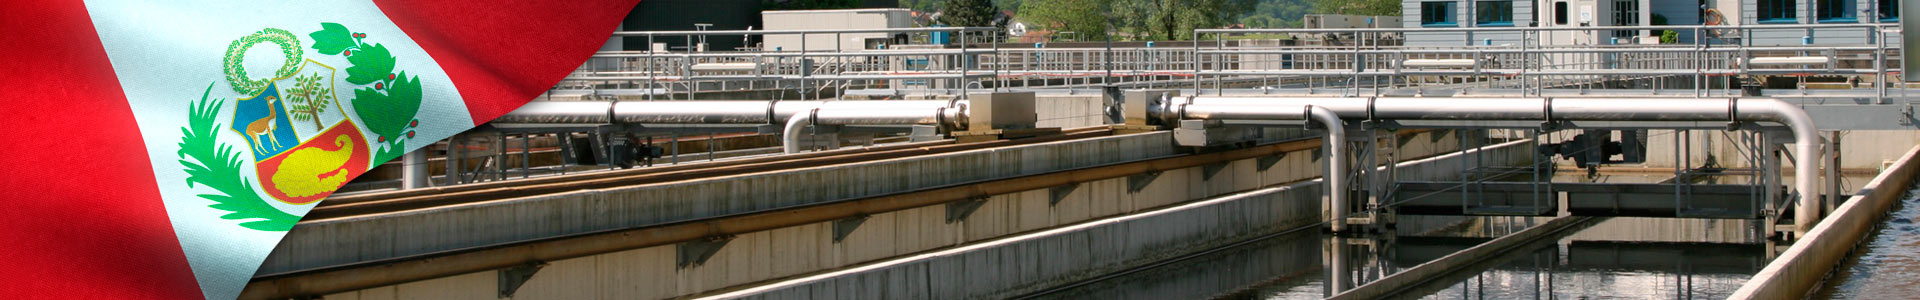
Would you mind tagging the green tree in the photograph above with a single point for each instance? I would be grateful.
(309, 98)
(1080, 16)
(1358, 7)
(1277, 14)
(1176, 19)
(921, 5)
(967, 13)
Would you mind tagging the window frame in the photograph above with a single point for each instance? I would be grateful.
(1446, 8)
(1560, 10)
(1501, 18)
(1889, 8)
(1772, 12)
(1846, 8)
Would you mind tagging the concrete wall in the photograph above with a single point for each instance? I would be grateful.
(1859, 149)
(1070, 111)
(332, 242)
(1811, 259)
(769, 255)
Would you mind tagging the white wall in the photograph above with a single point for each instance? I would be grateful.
(831, 19)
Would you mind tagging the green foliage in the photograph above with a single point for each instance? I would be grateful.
(370, 63)
(1666, 36)
(389, 113)
(1080, 16)
(1358, 7)
(217, 166)
(967, 13)
(309, 98)
(332, 38)
(1277, 14)
(1176, 19)
(388, 107)
(394, 148)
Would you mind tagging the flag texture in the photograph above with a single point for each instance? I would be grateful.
(161, 149)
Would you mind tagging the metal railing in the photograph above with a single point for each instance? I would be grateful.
(1369, 60)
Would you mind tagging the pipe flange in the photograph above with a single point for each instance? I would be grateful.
(613, 118)
(1546, 113)
(772, 119)
(813, 117)
(1372, 117)
(1306, 112)
(953, 118)
(1162, 110)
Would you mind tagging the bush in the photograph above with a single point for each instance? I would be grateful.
(1669, 37)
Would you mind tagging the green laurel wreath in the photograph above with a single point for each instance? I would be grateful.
(237, 51)
(389, 106)
(218, 166)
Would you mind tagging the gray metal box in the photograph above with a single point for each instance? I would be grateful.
(990, 111)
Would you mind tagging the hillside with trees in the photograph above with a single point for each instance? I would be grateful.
(1157, 19)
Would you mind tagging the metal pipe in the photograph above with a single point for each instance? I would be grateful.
(796, 115)
(700, 112)
(1335, 141)
(1807, 140)
(413, 170)
(790, 138)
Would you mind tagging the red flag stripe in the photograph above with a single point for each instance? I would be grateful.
(80, 214)
(501, 55)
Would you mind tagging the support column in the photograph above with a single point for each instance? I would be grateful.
(1835, 192)
(413, 169)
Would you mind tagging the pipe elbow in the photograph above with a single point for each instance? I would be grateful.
(790, 139)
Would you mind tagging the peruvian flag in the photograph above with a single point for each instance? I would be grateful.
(160, 149)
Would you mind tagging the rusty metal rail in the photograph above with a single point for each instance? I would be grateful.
(453, 195)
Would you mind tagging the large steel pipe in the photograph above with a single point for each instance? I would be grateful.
(1335, 142)
(692, 112)
(954, 116)
(796, 115)
(1807, 141)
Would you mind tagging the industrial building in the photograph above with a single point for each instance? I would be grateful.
(1591, 13)
(1492, 155)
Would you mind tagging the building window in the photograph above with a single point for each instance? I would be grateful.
(1777, 11)
(1626, 13)
(1560, 13)
(1889, 10)
(1437, 14)
(1493, 13)
(1836, 11)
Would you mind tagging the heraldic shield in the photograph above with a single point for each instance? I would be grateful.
(293, 168)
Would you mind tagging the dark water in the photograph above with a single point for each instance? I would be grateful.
(1301, 266)
(1887, 266)
(1607, 270)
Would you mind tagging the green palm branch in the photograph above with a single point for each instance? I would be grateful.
(217, 166)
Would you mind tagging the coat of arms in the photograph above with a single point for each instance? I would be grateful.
(299, 136)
